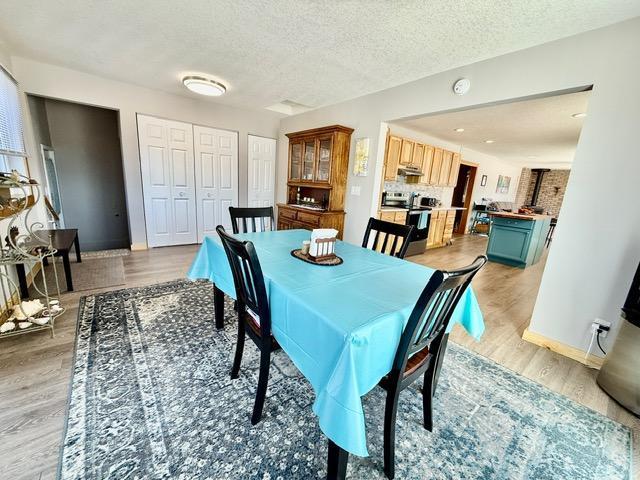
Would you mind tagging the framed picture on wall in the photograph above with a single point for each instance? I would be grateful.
(483, 182)
(503, 184)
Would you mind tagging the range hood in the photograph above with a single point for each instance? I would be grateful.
(410, 171)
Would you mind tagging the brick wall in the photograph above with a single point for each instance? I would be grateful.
(552, 189)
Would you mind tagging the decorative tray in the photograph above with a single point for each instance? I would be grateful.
(327, 262)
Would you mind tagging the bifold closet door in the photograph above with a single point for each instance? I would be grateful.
(168, 181)
(216, 153)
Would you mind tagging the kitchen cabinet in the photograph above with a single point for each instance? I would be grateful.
(427, 163)
(517, 240)
(418, 155)
(455, 170)
(406, 154)
(392, 160)
(393, 216)
(318, 167)
(441, 228)
(439, 167)
(434, 176)
(445, 168)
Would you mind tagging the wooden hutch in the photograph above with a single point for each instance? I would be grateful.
(318, 167)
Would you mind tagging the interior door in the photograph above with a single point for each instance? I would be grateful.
(216, 153)
(167, 162)
(262, 169)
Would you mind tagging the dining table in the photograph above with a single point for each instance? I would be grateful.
(340, 325)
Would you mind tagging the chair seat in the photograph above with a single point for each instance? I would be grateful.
(414, 362)
(255, 328)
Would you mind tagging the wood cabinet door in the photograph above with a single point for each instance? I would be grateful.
(295, 161)
(394, 145)
(388, 216)
(427, 163)
(433, 227)
(406, 154)
(434, 175)
(418, 155)
(455, 170)
(323, 160)
(439, 234)
(445, 169)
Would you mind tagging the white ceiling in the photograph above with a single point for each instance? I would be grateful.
(542, 128)
(310, 52)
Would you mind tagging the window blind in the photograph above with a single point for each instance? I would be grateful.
(11, 139)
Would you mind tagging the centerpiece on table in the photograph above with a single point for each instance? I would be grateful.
(320, 249)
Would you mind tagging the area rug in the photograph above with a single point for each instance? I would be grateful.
(151, 398)
(91, 274)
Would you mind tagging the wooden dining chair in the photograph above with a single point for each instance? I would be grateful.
(254, 317)
(256, 216)
(390, 238)
(422, 347)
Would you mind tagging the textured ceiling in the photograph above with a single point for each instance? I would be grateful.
(542, 128)
(310, 52)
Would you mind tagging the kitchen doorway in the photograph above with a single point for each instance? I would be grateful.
(462, 194)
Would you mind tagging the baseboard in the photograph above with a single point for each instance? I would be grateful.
(563, 349)
(138, 246)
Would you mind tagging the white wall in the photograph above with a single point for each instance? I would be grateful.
(595, 252)
(65, 84)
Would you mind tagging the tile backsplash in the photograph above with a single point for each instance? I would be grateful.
(441, 193)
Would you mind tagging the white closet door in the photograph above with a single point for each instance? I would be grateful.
(167, 161)
(216, 154)
(262, 168)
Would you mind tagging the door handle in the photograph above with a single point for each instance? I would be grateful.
(182, 194)
(208, 195)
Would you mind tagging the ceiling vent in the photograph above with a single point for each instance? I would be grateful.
(289, 107)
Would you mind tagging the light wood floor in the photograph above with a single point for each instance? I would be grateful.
(35, 370)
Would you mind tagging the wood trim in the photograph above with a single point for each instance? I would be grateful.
(563, 349)
(468, 163)
(319, 131)
(138, 246)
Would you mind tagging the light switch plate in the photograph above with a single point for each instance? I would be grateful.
(355, 190)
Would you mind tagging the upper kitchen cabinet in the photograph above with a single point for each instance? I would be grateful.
(427, 163)
(392, 159)
(434, 176)
(455, 169)
(406, 154)
(438, 167)
(445, 168)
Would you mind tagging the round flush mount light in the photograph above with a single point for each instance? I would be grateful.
(458, 130)
(489, 141)
(579, 115)
(461, 86)
(204, 86)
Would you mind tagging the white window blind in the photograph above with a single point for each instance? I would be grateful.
(11, 139)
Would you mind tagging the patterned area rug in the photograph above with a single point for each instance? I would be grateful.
(114, 252)
(151, 398)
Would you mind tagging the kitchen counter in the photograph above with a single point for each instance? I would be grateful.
(517, 240)
(518, 216)
(393, 209)
(447, 208)
(428, 209)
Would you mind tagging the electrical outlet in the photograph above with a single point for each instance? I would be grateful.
(598, 322)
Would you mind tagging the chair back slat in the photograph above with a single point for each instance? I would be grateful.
(432, 313)
(247, 278)
(401, 235)
(240, 217)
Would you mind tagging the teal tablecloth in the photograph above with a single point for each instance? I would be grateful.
(339, 325)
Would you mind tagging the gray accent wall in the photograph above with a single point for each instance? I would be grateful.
(88, 156)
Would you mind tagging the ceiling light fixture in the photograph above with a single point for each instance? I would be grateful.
(579, 115)
(458, 129)
(489, 141)
(204, 86)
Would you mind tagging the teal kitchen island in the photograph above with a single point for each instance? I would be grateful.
(516, 239)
